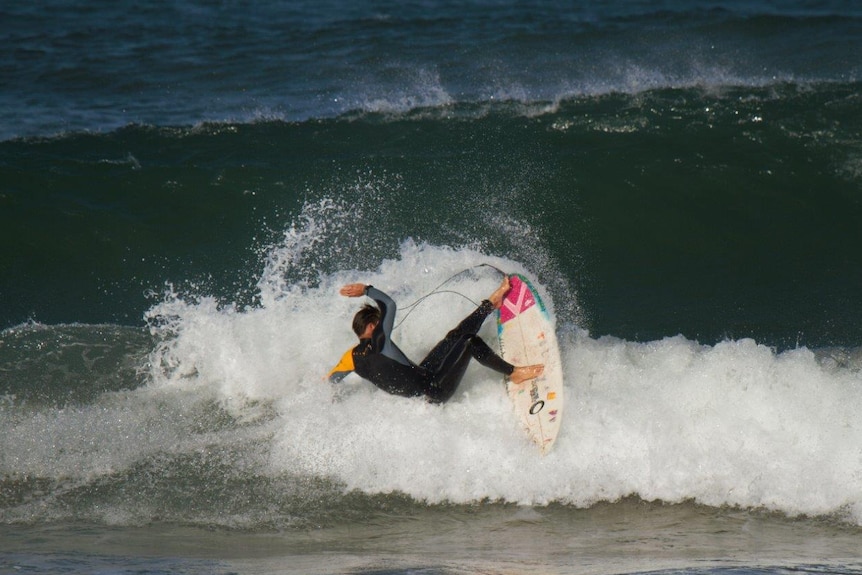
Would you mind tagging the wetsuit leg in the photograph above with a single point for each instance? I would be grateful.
(469, 326)
(448, 376)
(445, 381)
(486, 356)
(448, 361)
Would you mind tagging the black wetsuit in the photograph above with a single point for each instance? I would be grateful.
(379, 360)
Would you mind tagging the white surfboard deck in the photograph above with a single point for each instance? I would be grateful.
(527, 337)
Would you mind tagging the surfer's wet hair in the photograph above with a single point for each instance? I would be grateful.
(367, 315)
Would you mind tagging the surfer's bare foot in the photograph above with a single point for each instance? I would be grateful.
(496, 298)
(526, 373)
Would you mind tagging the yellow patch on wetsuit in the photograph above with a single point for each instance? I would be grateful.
(345, 366)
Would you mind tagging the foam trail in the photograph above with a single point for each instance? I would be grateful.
(731, 424)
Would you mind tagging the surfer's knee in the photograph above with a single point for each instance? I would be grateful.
(436, 395)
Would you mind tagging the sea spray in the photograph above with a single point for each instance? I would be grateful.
(734, 423)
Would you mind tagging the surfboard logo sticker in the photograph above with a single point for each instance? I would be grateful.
(518, 300)
(538, 404)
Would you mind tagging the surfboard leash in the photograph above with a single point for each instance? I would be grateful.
(436, 291)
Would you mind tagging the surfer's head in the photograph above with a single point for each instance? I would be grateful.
(368, 315)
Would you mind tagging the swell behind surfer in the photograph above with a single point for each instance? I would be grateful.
(436, 377)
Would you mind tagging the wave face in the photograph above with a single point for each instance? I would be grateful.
(674, 211)
(184, 189)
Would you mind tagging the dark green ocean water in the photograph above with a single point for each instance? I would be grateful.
(713, 215)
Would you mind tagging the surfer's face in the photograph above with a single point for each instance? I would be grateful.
(368, 330)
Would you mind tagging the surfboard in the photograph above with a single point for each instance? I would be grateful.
(527, 337)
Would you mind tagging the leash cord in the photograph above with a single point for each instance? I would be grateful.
(412, 307)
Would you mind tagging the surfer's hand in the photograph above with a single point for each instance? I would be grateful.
(353, 290)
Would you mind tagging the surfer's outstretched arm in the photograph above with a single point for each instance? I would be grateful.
(383, 301)
(382, 334)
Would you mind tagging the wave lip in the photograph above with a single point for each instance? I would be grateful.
(430, 97)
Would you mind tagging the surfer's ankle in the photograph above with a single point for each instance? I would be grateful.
(496, 298)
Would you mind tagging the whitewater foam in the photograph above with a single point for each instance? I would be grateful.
(732, 424)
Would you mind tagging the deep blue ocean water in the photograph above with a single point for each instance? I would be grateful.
(184, 185)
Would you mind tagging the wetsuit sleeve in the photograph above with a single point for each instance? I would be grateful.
(343, 369)
(387, 309)
(382, 336)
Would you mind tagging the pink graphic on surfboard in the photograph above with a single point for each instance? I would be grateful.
(517, 301)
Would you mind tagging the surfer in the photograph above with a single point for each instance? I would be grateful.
(379, 360)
